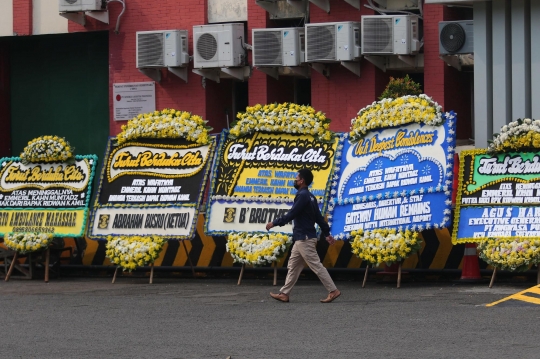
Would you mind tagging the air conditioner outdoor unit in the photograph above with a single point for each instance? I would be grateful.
(333, 41)
(164, 48)
(456, 37)
(278, 47)
(390, 34)
(219, 45)
(80, 5)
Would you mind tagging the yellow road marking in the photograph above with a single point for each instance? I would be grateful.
(521, 296)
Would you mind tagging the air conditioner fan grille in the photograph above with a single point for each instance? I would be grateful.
(321, 43)
(207, 46)
(378, 36)
(71, 2)
(452, 37)
(150, 50)
(267, 46)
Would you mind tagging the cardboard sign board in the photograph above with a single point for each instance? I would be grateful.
(151, 188)
(50, 197)
(252, 179)
(397, 177)
(498, 196)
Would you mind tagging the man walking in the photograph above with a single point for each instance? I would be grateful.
(305, 213)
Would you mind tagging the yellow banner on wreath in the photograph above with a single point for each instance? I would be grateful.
(58, 222)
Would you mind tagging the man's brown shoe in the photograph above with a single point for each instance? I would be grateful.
(331, 296)
(282, 297)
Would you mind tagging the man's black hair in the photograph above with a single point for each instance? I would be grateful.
(306, 175)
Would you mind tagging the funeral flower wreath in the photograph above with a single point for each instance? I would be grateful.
(385, 245)
(27, 242)
(167, 123)
(514, 255)
(132, 252)
(257, 248)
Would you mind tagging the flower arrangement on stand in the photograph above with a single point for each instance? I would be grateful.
(386, 246)
(282, 118)
(132, 252)
(129, 253)
(167, 123)
(27, 242)
(257, 249)
(514, 255)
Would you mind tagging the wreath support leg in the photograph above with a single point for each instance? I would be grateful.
(493, 277)
(275, 273)
(241, 274)
(538, 275)
(365, 276)
(11, 266)
(47, 260)
(151, 272)
(399, 275)
(188, 257)
(114, 276)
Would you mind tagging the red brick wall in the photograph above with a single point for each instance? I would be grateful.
(140, 15)
(257, 19)
(22, 17)
(340, 96)
(433, 66)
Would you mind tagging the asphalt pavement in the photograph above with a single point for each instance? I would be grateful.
(214, 318)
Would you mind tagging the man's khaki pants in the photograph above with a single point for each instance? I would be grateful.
(304, 250)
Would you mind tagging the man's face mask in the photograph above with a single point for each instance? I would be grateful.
(296, 184)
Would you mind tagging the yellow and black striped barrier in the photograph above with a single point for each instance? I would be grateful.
(210, 251)
(529, 296)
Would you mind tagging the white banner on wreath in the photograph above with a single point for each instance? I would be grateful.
(149, 221)
(243, 216)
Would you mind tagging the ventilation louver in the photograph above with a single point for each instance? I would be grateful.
(378, 35)
(267, 46)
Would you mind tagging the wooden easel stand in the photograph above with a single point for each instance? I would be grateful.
(242, 274)
(151, 273)
(14, 260)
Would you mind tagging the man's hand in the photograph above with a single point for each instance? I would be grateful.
(330, 240)
(269, 226)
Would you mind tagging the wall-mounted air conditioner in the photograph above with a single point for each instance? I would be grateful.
(456, 37)
(390, 34)
(278, 47)
(164, 48)
(219, 45)
(333, 41)
(80, 5)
